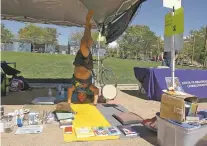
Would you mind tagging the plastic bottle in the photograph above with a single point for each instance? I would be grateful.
(59, 88)
(19, 121)
(62, 93)
(50, 93)
(16, 113)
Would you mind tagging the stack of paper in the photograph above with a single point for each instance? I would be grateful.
(44, 100)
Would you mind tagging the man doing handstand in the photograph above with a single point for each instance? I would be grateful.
(82, 77)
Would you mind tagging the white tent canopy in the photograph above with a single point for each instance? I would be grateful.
(65, 12)
(62, 12)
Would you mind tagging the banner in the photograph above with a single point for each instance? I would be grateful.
(174, 24)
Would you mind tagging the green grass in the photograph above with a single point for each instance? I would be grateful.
(36, 65)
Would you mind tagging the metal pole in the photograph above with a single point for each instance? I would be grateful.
(173, 56)
(205, 48)
(99, 45)
(192, 59)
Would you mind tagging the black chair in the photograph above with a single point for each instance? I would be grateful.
(8, 70)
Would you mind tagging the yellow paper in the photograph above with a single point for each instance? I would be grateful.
(174, 24)
(87, 116)
(168, 24)
(178, 21)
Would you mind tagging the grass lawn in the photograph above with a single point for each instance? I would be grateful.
(36, 65)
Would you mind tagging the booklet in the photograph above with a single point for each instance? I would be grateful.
(100, 131)
(127, 130)
(83, 132)
(113, 130)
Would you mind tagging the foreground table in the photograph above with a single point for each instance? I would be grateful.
(52, 135)
(153, 81)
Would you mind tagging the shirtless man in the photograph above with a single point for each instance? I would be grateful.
(82, 77)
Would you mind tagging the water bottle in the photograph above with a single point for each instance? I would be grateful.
(50, 93)
(62, 93)
(59, 88)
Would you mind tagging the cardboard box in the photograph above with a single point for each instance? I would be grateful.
(173, 106)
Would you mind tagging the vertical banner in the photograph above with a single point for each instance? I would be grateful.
(174, 24)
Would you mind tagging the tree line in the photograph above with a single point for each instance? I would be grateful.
(33, 33)
(137, 42)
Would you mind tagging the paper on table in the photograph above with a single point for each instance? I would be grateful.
(32, 129)
(44, 100)
(63, 116)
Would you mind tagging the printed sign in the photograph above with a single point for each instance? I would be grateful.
(174, 24)
(178, 86)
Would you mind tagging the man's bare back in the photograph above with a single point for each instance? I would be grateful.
(81, 72)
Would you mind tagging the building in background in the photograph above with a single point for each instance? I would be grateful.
(17, 46)
(27, 46)
(102, 52)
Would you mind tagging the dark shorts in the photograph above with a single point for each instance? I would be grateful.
(82, 85)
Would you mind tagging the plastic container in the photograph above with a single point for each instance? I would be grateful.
(50, 93)
(174, 135)
(62, 94)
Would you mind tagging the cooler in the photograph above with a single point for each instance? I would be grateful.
(170, 134)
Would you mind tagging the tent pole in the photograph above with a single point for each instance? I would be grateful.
(99, 45)
(173, 56)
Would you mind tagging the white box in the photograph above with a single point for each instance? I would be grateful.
(173, 135)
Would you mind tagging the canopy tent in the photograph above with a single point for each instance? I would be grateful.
(111, 16)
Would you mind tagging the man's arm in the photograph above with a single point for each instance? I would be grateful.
(86, 39)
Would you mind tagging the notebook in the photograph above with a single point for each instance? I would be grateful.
(127, 118)
(68, 130)
(64, 116)
(84, 132)
(127, 130)
(100, 131)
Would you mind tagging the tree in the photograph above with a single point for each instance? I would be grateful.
(31, 32)
(39, 35)
(77, 36)
(50, 35)
(194, 50)
(137, 39)
(195, 44)
(6, 34)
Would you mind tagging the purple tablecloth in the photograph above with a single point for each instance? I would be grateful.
(153, 81)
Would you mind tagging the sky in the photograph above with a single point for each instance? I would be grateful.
(151, 13)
